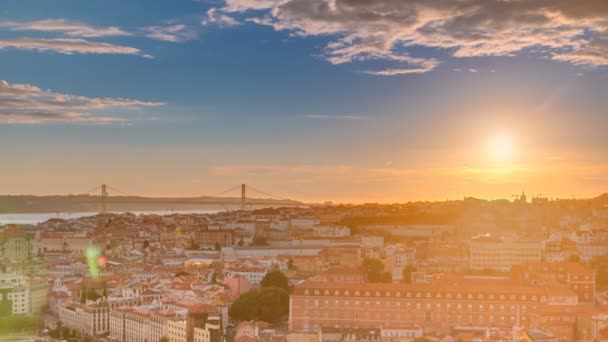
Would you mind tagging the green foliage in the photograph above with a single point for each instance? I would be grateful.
(276, 278)
(259, 241)
(374, 269)
(574, 258)
(601, 278)
(290, 265)
(269, 304)
(164, 339)
(407, 273)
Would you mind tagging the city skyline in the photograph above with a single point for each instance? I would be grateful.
(349, 101)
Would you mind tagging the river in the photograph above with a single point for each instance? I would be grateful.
(41, 217)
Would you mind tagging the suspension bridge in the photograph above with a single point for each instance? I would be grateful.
(239, 197)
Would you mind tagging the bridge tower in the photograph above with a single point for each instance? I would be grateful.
(243, 197)
(104, 198)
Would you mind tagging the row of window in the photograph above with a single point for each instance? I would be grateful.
(438, 295)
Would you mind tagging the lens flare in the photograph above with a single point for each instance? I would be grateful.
(93, 254)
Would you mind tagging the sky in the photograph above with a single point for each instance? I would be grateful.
(316, 100)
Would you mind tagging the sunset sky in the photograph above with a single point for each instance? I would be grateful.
(343, 100)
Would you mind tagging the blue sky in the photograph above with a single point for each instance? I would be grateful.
(315, 102)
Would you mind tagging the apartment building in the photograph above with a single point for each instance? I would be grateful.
(498, 254)
(442, 304)
(14, 294)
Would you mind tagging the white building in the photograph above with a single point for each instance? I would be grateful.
(304, 222)
(492, 253)
(254, 275)
(400, 260)
(91, 319)
(14, 288)
(330, 231)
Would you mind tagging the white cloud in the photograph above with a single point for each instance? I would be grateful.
(69, 28)
(28, 104)
(69, 46)
(566, 30)
(176, 33)
(216, 17)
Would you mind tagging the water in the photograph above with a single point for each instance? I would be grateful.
(41, 217)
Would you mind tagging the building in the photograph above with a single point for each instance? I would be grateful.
(575, 276)
(14, 294)
(15, 244)
(39, 295)
(254, 275)
(498, 254)
(441, 304)
(330, 231)
(396, 263)
(304, 222)
(90, 319)
(209, 238)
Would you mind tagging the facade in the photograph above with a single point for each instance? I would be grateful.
(15, 245)
(14, 294)
(91, 319)
(399, 261)
(304, 222)
(209, 238)
(574, 276)
(254, 275)
(39, 295)
(492, 253)
(443, 304)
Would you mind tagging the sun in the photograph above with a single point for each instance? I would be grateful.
(501, 147)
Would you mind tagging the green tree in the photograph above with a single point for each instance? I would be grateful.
(245, 307)
(574, 258)
(290, 265)
(374, 270)
(218, 247)
(407, 273)
(164, 339)
(269, 304)
(259, 241)
(276, 278)
(273, 304)
(421, 339)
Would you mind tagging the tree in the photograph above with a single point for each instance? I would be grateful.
(146, 244)
(374, 269)
(290, 265)
(164, 339)
(218, 247)
(259, 241)
(269, 304)
(574, 258)
(241, 242)
(276, 278)
(407, 273)
(193, 245)
(421, 339)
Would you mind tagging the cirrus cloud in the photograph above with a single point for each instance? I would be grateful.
(69, 28)
(68, 46)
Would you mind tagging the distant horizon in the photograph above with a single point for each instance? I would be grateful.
(511, 198)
